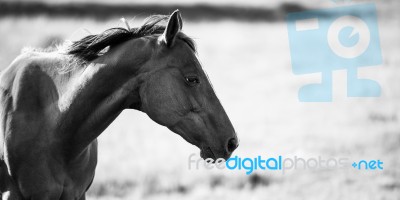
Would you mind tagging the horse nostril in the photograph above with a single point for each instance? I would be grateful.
(232, 145)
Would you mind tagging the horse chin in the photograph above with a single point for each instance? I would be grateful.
(207, 153)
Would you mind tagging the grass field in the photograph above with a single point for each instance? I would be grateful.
(249, 66)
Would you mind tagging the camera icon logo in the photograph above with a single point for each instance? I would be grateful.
(342, 38)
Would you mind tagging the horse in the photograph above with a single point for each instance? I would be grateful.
(54, 104)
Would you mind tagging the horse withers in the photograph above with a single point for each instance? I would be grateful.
(53, 105)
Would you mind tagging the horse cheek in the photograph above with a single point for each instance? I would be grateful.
(159, 105)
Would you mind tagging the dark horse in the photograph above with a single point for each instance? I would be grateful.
(53, 105)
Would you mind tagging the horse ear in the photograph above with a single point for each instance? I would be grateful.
(180, 20)
(172, 29)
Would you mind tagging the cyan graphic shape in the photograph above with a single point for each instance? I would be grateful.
(311, 52)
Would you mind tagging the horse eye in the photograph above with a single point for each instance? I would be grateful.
(192, 80)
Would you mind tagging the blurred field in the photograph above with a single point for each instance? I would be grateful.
(249, 66)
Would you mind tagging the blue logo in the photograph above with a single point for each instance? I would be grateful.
(281, 164)
(368, 165)
(342, 38)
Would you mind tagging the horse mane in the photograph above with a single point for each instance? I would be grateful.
(91, 46)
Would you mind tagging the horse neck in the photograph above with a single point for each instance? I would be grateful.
(97, 96)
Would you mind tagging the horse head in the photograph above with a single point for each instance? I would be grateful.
(178, 94)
